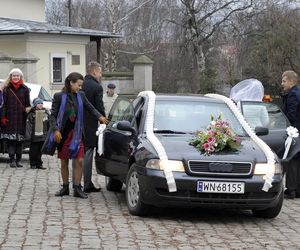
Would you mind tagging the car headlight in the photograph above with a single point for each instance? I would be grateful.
(265, 168)
(163, 164)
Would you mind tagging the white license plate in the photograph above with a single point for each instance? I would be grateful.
(220, 187)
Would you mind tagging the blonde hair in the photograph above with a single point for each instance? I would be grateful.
(92, 65)
(291, 75)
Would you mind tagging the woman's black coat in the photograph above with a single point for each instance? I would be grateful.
(87, 107)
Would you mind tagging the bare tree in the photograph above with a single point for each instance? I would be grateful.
(202, 19)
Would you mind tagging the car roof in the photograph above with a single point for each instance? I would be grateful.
(186, 97)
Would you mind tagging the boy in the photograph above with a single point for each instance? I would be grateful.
(37, 126)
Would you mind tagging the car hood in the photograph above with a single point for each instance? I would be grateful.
(177, 147)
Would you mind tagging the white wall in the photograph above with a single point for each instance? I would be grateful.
(33, 10)
(42, 46)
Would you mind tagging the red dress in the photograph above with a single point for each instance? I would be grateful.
(64, 153)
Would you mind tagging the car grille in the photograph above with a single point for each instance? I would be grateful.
(220, 168)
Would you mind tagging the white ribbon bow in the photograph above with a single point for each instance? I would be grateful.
(99, 133)
(292, 133)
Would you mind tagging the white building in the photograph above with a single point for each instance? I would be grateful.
(45, 53)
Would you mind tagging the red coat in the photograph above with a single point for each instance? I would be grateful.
(14, 110)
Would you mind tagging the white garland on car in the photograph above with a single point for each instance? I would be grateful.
(292, 133)
(99, 133)
(265, 148)
(155, 142)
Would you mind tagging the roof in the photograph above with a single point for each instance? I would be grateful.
(10, 26)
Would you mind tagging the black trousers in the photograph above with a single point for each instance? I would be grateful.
(14, 148)
(35, 153)
(293, 176)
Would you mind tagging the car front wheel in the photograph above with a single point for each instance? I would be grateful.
(133, 194)
(271, 212)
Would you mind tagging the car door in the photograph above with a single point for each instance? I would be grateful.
(277, 124)
(117, 142)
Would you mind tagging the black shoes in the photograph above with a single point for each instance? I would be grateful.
(79, 193)
(13, 164)
(63, 191)
(92, 189)
(19, 165)
(291, 195)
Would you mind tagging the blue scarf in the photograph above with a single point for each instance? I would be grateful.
(75, 143)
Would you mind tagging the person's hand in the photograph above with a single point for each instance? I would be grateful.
(4, 121)
(103, 119)
(27, 109)
(57, 136)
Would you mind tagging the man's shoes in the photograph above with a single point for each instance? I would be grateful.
(92, 189)
(13, 164)
(40, 167)
(79, 193)
(63, 191)
(289, 195)
(19, 165)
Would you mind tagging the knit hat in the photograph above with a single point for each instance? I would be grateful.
(16, 70)
(37, 101)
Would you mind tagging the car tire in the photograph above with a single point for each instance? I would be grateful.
(113, 184)
(271, 212)
(133, 194)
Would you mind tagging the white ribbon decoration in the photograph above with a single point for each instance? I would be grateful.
(155, 142)
(264, 147)
(292, 133)
(99, 133)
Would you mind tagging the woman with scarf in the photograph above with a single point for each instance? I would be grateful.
(16, 105)
(66, 130)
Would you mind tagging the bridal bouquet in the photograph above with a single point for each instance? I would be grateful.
(217, 137)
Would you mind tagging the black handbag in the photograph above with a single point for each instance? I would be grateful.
(49, 145)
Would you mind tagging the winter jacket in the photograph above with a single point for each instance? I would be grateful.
(30, 126)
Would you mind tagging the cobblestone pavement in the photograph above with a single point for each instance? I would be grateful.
(31, 217)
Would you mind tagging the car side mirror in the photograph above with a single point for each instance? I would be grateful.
(126, 126)
(261, 131)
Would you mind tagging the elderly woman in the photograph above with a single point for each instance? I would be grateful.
(66, 126)
(16, 104)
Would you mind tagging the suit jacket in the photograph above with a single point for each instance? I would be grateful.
(291, 106)
(94, 93)
(87, 107)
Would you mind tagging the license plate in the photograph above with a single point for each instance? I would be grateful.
(220, 187)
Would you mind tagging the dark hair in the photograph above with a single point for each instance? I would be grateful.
(72, 77)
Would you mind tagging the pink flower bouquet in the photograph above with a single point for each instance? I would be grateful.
(218, 136)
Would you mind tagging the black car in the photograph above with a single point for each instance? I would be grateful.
(148, 135)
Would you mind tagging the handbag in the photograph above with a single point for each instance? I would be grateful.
(49, 145)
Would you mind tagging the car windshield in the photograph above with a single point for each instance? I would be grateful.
(191, 116)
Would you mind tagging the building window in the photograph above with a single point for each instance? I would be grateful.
(75, 59)
(58, 68)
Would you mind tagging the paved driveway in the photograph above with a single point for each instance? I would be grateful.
(31, 217)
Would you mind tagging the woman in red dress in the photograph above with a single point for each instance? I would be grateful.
(66, 125)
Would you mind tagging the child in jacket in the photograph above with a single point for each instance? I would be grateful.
(37, 126)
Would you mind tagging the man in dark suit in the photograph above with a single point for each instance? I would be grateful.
(94, 93)
(291, 108)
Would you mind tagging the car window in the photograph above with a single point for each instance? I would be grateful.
(43, 94)
(121, 110)
(272, 117)
(192, 116)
